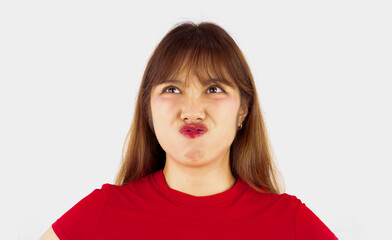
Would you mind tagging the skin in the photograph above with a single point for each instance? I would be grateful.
(192, 164)
(49, 235)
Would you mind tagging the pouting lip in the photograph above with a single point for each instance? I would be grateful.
(193, 127)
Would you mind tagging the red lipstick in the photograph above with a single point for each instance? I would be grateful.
(193, 130)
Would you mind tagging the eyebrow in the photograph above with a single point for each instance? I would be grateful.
(204, 83)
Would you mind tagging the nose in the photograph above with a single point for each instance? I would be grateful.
(192, 110)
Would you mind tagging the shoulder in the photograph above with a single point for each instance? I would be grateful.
(127, 193)
(81, 221)
(273, 202)
(265, 196)
(307, 224)
(140, 183)
(283, 202)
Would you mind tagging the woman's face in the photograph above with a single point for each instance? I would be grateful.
(217, 106)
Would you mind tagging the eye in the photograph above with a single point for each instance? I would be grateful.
(170, 89)
(216, 89)
(212, 89)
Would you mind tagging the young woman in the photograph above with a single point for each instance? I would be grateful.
(197, 162)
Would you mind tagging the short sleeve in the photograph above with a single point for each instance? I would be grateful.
(308, 225)
(80, 222)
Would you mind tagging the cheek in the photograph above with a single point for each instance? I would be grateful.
(223, 113)
(225, 108)
(162, 107)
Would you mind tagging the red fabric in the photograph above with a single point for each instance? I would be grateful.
(149, 209)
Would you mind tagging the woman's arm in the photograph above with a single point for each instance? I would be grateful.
(49, 235)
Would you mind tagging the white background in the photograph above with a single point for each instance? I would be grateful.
(70, 71)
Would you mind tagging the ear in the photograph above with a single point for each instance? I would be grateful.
(242, 113)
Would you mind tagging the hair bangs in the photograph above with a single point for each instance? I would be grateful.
(200, 59)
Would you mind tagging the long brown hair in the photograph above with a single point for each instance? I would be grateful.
(204, 50)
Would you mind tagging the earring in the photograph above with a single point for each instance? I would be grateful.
(240, 126)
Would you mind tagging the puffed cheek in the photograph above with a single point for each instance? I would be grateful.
(162, 104)
(226, 104)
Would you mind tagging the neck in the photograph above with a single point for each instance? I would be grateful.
(199, 181)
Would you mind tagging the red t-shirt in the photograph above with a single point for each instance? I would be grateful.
(149, 209)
